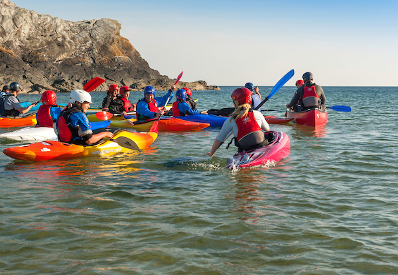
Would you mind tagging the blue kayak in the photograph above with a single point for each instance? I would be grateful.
(214, 121)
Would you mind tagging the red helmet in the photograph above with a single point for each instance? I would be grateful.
(124, 89)
(189, 93)
(113, 87)
(300, 81)
(49, 98)
(242, 95)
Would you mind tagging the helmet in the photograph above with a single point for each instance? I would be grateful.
(124, 89)
(15, 86)
(49, 98)
(301, 82)
(249, 86)
(79, 96)
(149, 90)
(189, 93)
(6, 87)
(308, 76)
(113, 87)
(181, 94)
(242, 95)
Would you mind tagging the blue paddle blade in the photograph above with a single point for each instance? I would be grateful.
(281, 82)
(341, 108)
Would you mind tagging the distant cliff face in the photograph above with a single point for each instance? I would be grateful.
(43, 52)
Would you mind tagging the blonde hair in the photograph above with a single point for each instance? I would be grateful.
(238, 110)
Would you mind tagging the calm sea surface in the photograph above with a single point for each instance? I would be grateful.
(331, 207)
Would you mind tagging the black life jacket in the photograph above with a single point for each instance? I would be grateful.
(67, 133)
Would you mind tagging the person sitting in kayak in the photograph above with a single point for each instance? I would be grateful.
(299, 83)
(12, 106)
(192, 104)
(112, 102)
(124, 96)
(181, 106)
(299, 104)
(49, 112)
(148, 107)
(73, 125)
(256, 96)
(310, 95)
(246, 124)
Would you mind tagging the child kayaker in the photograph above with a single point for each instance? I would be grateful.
(181, 106)
(148, 107)
(49, 112)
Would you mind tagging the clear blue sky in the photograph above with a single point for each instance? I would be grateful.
(343, 43)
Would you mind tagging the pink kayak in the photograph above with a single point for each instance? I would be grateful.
(277, 149)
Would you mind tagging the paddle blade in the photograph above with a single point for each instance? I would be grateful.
(103, 115)
(93, 84)
(126, 143)
(178, 78)
(281, 82)
(340, 108)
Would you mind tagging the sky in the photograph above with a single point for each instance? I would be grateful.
(229, 43)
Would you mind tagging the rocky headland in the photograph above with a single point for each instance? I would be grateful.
(43, 52)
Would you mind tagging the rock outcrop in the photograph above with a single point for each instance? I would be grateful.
(43, 52)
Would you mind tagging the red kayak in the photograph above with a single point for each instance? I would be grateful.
(312, 118)
(277, 149)
(277, 120)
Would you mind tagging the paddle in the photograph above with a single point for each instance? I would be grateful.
(93, 84)
(340, 108)
(178, 79)
(126, 143)
(277, 86)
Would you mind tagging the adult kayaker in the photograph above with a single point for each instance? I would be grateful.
(73, 125)
(181, 106)
(246, 124)
(256, 96)
(310, 95)
(11, 104)
(49, 112)
(112, 102)
(148, 107)
(189, 99)
(124, 96)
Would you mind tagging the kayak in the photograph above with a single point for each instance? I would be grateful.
(44, 133)
(8, 122)
(213, 120)
(312, 118)
(277, 149)
(93, 118)
(165, 125)
(56, 150)
(277, 120)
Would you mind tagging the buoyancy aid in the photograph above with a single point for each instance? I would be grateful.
(127, 105)
(116, 105)
(43, 116)
(310, 97)
(176, 111)
(67, 133)
(2, 101)
(249, 132)
(191, 103)
(152, 106)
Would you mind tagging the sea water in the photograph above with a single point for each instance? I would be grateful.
(329, 208)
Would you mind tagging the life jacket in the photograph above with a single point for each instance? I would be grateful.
(2, 101)
(116, 106)
(67, 133)
(250, 134)
(153, 107)
(176, 111)
(310, 97)
(43, 116)
(127, 105)
(191, 103)
(11, 112)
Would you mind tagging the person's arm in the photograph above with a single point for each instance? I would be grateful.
(185, 109)
(256, 90)
(99, 136)
(23, 110)
(261, 121)
(216, 145)
(162, 100)
(105, 103)
(296, 97)
(225, 132)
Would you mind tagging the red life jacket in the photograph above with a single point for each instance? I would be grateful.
(310, 97)
(249, 132)
(67, 133)
(176, 111)
(127, 105)
(153, 106)
(43, 116)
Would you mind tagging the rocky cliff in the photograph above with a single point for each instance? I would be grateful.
(43, 52)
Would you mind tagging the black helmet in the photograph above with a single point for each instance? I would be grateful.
(15, 86)
(308, 76)
(6, 87)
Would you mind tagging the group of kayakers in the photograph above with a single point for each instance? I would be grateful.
(245, 123)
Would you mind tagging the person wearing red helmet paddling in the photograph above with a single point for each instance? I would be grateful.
(112, 102)
(49, 112)
(124, 96)
(246, 124)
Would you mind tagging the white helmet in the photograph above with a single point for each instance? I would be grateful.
(79, 96)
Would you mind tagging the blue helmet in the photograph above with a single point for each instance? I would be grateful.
(308, 76)
(149, 90)
(249, 86)
(181, 94)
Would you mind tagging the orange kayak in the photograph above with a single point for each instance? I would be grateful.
(123, 141)
(8, 122)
